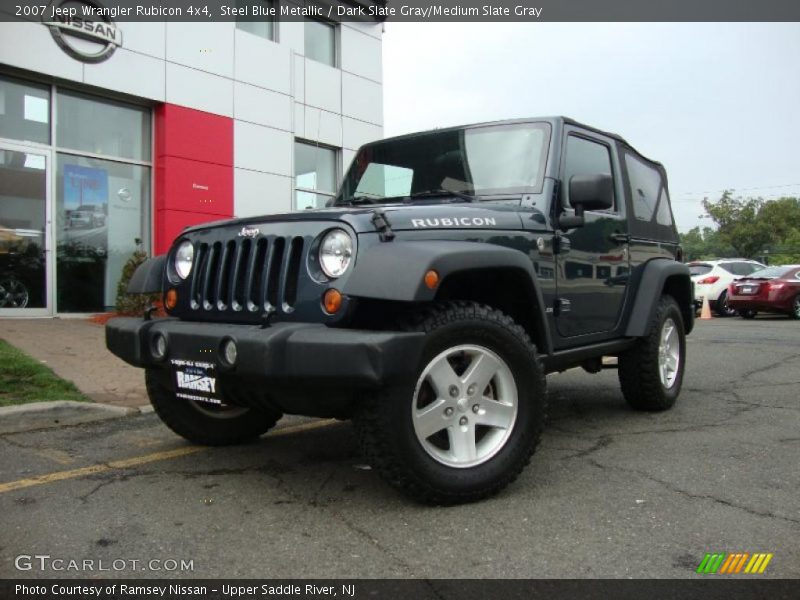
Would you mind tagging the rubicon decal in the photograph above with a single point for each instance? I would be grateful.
(454, 222)
(723, 563)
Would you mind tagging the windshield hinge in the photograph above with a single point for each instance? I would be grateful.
(381, 223)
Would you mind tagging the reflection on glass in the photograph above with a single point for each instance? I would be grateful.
(24, 111)
(23, 191)
(320, 42)
(102, 127)
(101, 208)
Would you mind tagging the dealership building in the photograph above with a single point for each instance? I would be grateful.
(136, 130)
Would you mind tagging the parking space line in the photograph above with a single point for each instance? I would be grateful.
(135, 461)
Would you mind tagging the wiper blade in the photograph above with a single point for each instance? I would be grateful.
(442, 192)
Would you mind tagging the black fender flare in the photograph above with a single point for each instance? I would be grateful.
(657, 276)
(148, 277)
(395, 271)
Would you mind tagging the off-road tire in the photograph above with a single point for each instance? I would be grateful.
(197, 426)
(721, 306)
(639, 366)
(384, 421)
(747, 313)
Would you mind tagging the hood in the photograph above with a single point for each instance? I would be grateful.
(401, 217)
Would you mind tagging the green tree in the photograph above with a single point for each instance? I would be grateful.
(740, 225)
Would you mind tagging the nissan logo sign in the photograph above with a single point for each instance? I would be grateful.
(83, 29)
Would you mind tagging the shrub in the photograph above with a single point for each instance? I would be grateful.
(133, 304)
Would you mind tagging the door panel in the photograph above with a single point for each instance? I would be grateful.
(592, 262)
(24, 232)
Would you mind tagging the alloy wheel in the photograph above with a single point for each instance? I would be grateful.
(669, 354)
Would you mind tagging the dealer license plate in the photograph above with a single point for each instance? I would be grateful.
(196, 380)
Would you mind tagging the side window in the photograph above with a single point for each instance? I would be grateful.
(645, 184)
(664, 215)
(585, 157)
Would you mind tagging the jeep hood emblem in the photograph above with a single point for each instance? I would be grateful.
(246, 232)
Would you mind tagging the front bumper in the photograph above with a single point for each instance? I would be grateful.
(284, 354)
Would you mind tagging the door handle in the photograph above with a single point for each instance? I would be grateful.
(620, 238)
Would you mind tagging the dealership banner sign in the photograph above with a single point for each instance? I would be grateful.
(93, 19)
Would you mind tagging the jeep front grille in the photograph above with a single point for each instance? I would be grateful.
(247, 275)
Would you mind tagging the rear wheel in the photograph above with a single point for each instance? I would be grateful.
(795, 314)
(205, 423)
(721, 306)
(651, 373)
(747, 313)
(470, 420)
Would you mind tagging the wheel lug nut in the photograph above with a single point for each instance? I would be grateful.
(462, 421)
(471, 390)
(453, 391)
(475, 408)
(448, 412)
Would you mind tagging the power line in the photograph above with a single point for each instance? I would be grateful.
(743, 189)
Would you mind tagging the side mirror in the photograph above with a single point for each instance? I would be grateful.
(591, 192)
(587, 192)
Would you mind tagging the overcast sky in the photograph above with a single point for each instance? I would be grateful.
(717, 103)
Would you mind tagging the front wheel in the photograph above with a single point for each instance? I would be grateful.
(651, 373)
(204, 423)
(470, 420)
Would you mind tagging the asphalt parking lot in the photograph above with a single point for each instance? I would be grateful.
(610, 493)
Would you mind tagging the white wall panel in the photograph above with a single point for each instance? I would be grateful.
(323, 86)
(361, 54)
(362, 99)
(323, 127)
(356, 133)
(261, 62)
(291, 35)
(372, 29)
(262, 149)
(204, 46)
(299, 78)
(30, 46)
(149, 80)
(200, 90)
(347, 158)
(260, 193)
(261, 106)
(299, 120)
(145, 38)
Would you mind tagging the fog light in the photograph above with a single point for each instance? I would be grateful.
(159, 346)
(171, 300)
(229, 352)
(332, 301)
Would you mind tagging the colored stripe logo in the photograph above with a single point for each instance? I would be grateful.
(734, 563)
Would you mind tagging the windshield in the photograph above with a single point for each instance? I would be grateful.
(481, 161)
(770, 272)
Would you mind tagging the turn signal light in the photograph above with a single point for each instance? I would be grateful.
(171, 301)
(431, 279)
(332, 300)
(709, 280)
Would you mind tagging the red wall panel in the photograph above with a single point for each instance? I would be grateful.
(193, 171)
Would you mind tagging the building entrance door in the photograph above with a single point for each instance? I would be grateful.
(25, 232)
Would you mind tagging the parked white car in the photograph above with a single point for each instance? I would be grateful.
(712, 277)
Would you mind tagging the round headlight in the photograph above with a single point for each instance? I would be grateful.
(183, 259)
(335, 253)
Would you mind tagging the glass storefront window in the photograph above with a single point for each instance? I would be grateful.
(23, 197)
(101, 210)
(315, 175)
(88, 124)
(24, 111)
(320, 42)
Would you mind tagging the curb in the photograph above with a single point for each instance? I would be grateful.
(61, 413)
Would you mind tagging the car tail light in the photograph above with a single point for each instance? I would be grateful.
(775, 286)
(709, 280)
(731, 290)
